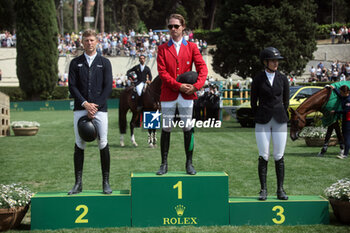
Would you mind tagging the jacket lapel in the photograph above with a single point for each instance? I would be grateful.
(171, 48)
(267, 80)
(97, 58)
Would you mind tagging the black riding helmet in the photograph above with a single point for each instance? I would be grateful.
(270, 53)
(87, 129)
(188, 77)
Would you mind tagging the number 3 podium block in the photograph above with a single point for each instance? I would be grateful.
(86, 209)
(178, 199)
(297, 210)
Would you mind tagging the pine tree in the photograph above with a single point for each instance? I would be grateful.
(37, 53)
(249, 26)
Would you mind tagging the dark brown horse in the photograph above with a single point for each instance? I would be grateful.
(128, 101)
(312, 104)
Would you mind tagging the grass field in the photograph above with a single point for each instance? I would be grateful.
(45, 163)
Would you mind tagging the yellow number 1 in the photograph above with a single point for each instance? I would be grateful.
(178, 185)
(82, 215)
(280, 214)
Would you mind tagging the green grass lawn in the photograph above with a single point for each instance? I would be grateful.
(45, 163)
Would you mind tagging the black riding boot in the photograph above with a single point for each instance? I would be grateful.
(78, 170)
(105, 164)
(189, 146)
(262, 170)
(164, 149)
(279, 165)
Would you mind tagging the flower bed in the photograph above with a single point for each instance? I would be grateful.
(339, 197)
(14, 204)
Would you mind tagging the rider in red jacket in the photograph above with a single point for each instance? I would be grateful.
(175, 58)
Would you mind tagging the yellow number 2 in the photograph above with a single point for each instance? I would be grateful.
(280, 214)
(82, 215)
(178, 185)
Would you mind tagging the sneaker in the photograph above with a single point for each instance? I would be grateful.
(341, 153)
(342, 157)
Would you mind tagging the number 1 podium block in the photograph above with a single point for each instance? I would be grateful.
(178, 199)
(53, 210)
(297, 210)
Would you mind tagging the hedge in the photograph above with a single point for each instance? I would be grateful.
(210, 36)
(322, 32)
(59, 93)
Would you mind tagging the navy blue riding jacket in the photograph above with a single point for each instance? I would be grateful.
(92, 84)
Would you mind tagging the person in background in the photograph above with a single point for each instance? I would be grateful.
(144, 76)
(344, 94)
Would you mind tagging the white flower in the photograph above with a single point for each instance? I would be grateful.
(339, 190)
(24, 124)
(314, 132)
(14, 195)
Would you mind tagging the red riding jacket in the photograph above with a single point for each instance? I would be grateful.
(171, 65)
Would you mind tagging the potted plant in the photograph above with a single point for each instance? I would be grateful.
(14, 204)
(339, 196)
(25, 128)
(315, 136)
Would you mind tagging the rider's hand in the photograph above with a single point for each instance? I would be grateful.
(91, 108)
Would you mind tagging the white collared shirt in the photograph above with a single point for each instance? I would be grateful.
(177, 45)
(90, 59)
(270, 76)
(142, 67)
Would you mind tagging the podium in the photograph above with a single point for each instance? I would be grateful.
(297, 210)
(178, 199)
(54, 210)
(173, 199)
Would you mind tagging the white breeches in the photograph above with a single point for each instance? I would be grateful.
(263, 133)
(139, 88)
(101, 123)
(168, 112)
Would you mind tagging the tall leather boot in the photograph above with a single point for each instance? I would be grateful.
(189, 146)
(262, 171)
(78, 170)
(105, 164)
(279, 165)
(164, 149)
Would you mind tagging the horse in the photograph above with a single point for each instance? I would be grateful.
(128, 101)
(312, 104)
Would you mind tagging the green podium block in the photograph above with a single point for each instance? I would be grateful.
(55, 210)
(297, 210)
(178, 199)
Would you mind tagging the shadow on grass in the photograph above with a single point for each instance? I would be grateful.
(303, 154)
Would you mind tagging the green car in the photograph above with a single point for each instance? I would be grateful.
(297, 95)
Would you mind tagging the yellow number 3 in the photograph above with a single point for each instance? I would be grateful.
(280, 214)
(82, 215)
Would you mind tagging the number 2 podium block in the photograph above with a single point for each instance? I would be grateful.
(178, 199)
(297, 210)
(53, 210)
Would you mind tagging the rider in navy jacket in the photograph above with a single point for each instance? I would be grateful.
(92, 84)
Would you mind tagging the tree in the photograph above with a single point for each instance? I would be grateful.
(253, 25)
(37, 54)
(7, 15)
(75, 15)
